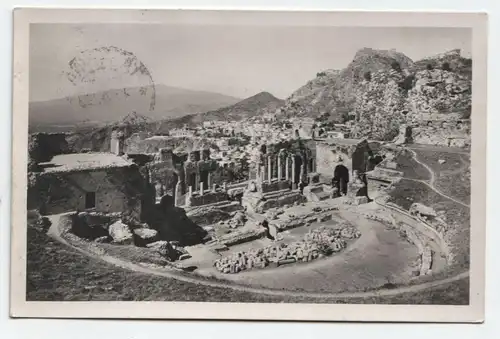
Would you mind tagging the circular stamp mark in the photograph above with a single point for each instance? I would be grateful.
(108, 75)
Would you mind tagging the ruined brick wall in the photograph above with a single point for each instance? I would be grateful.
(116, 190)
(442, 135)
(165, 174)
(327, 158)
(275, 186)
(207, 198)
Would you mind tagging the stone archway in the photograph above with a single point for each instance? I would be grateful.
(341, 178)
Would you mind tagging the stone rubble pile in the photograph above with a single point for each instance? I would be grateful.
(316, 243)
(238, 220)
(169, 249)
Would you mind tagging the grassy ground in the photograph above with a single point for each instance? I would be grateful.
(452, 176)
(56, 272)
(410, 168)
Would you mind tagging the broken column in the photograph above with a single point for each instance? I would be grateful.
(189, 195)
(294, 184)
(214, 188)
(178, 194)
(224, 186)
(201, 188)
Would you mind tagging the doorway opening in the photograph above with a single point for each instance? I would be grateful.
(89, 200)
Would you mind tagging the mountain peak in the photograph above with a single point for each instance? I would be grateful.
(261, 97)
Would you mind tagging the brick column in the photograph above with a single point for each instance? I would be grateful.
(197, 182)
(287, 167)
(269, 168)
(209, 180)
(280, 174)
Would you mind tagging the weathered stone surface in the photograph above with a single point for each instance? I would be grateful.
(121, 234)
(360, 200)
(145, 236)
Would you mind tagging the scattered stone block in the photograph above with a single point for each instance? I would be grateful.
(184, 256)
(360, 200)
(441, 161)
(121, 234)
(422, 210)
(104, 239)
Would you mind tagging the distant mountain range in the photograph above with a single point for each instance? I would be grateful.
(258, 104)
(98, 138)
(113, 105)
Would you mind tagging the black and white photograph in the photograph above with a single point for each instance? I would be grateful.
(249, 159)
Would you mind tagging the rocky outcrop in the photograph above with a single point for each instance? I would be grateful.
(382, 90)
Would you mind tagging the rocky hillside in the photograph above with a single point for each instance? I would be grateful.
(383, 89)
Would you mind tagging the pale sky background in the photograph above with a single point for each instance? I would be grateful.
(239, 61)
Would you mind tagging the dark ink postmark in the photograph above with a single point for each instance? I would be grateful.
(94, 72)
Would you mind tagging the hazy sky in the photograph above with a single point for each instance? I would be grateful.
(238, 61)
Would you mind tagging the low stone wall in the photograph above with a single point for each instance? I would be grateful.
(275, 186)
(207, 198)
(424, 250)
(242, 236)
(286, 199)
(423, 227)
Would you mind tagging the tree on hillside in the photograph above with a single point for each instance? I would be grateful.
(446, 66)
(323, 117)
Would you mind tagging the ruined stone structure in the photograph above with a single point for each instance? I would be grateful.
(352, 153)
(436, 129)
(288, 162)
(101, 182)
(279, 174)
(188, 177)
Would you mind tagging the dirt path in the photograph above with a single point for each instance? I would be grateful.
(55, 234)
(432, 182)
